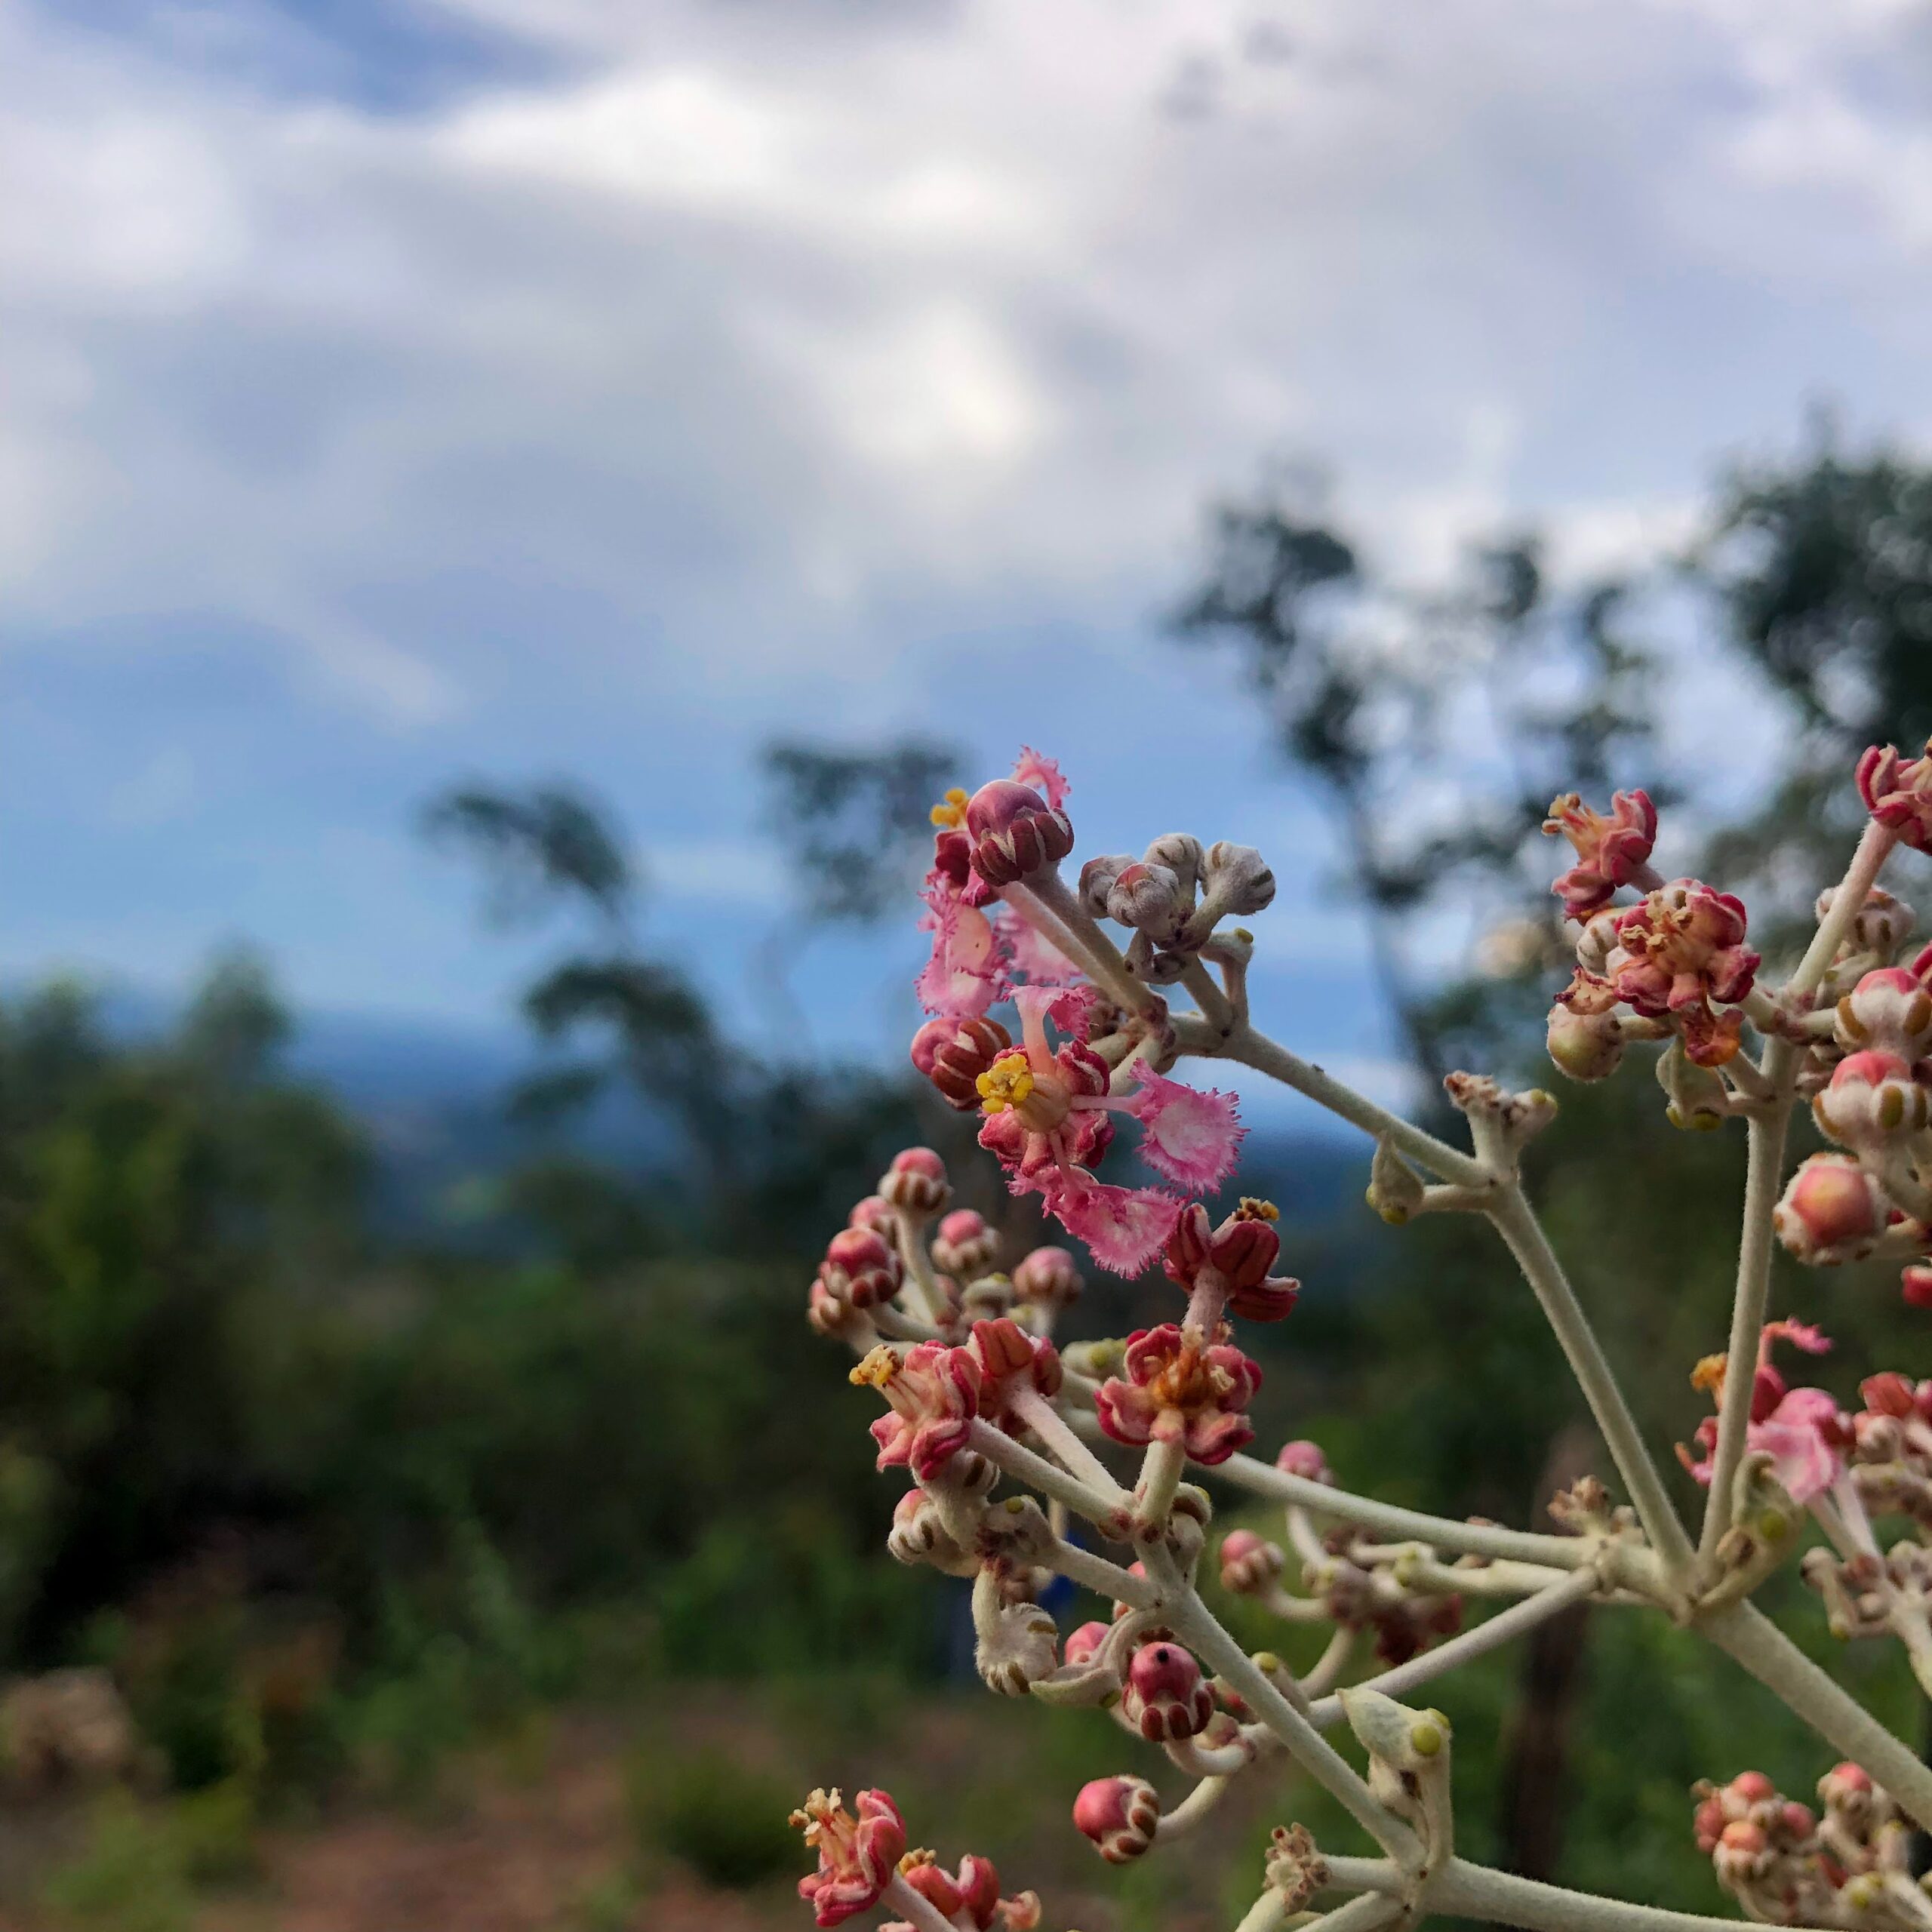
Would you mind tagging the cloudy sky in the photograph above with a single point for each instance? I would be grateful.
(393, 390)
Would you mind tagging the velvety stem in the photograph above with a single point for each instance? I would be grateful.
(1475, 1891)
(1049, 1425)
(1763, 1174)
(1519, 1227)
(1023, 1465)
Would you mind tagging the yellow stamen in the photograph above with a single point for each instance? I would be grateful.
(1006, 1083)
(950, 812)
(915, 1858)
(876, 1369)
(1709, 1374)
(1252, 1210)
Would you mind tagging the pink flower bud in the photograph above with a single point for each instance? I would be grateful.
(1744, 1853)
(1119, 1814)
(1249, 1562)
(1871, 1103)
(1846, 1785)
(1832, 1211)
(1304, 1459)
(829, 1315)
(1897, 793)
(1708, 1822)
(1166, 1699)
(1751, 1788)
(874, 1212)
(1014, 832)
(964, 1245)
(861, 1267)
(1010, 1359)
(1048, 1278)
(916, 1182)
(1084, 1644)
(952, 1054)
(1889, 1393)
(1889, 1009)
(1915, 1284)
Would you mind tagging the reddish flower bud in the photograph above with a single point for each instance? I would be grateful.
(1915, 1285)
(874, 1212)
(1871, 1103)
(1751, 1787)
(1743, 1853)
(916, 1182)
(1889, 1009)
(1082, 1646)
(1708, 1822)
(1831, 1210)
(1888, 1394)
(1845, 1784)
(1166, 1699)
(952, 1054)
(1014, 832)
(964, 1245)
(1119, 1814)
(1010, 1359)
(1048, 1277)
(861, 1267)
(1304, 1459)
(1147, 898)
(1249, 1562)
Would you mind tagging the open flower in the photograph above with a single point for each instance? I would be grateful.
(1180, 1388)
(972, 1890)
(1679, 953)
(1241, 1250)
(1008, 1360)
(1610, 851)
(858, 1855)
(934, 1392)
(966, 973)
(1897, 793)
(1802, 1430)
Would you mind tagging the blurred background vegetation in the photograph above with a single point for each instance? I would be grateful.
(344, 1496)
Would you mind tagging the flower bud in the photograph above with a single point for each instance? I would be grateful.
(1847, 1789)
(986, 1299)
(1166, 1699)
(1897, 793)
(829, 1315)
(1304, 1459)
(1695, 1100)
(1180, 853)
(1083, 1646)
(1119, 1814)
(919, 1535)
(860, 1268)
(952, 1054)
(1016, 1648)
(877, 1212)
(1249, 1562)
(1586, 1046)
(1048, 1278)
(1744, 1853)
(1882, 925)
(1871, 1103)
(964, 1245)
(915, 1183)
(1915, 1284)
(1236, 878)
(1888, 1009)
(1015, 833)
(1832, 1211)
(1394, 1188)
(1149, 899)
(1097, 880)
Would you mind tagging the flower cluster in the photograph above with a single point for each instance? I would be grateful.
(1847, 1863)
(1030, 1463)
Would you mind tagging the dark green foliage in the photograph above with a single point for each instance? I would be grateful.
(723, 1819)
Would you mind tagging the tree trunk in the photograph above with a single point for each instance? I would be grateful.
(1533, 1795)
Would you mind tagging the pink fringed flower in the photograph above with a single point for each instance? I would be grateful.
(934, 1392)
(1188, 1136)
(1123, 1227)
(1679, 951)
(1044, 774)
(966, 973)
(1802, 1430)
(1035, 959)
(1180, 1389)
(1610, 852)
(1240, 1251)
(1897, 793)
(857, 1856)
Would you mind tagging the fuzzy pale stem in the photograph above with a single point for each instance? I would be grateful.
(1519, 1227)
(1765, 1132)
(919, 1264)
(1216, 1007)
(1764, 1650)
(1049, 1425)
(1044, 902)
(1250, 1048)
(1848, 902)
(1160, 1471)
(1023, 1465)
(1463, 1890)
(1489, 1635)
